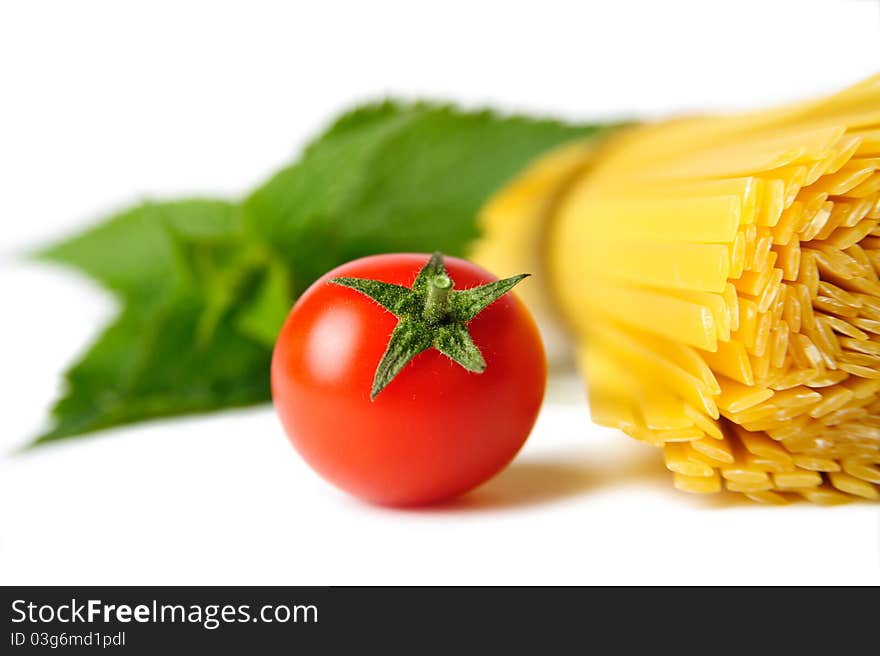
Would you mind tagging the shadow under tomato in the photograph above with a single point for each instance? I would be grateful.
(555, 477)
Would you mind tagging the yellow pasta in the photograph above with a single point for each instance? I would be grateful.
(719, 276)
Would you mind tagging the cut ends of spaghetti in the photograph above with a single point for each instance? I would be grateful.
(720, 275)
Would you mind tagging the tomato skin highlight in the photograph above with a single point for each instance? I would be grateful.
(437, 430)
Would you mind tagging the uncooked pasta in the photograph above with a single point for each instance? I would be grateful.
(720, 278)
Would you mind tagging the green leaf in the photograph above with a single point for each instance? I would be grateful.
(261, 316)
(299, 212)
(180, 344)
(394, 177)
(134, 253)
(428, 177)
(206, 284)
(145, 365)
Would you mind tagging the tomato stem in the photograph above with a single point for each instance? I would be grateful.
(437, 300)
(430, 314)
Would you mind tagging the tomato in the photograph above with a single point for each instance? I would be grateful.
(436, 430)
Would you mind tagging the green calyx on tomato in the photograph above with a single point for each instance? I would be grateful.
(431, 313)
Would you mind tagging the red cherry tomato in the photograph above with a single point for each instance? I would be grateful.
(436, 430)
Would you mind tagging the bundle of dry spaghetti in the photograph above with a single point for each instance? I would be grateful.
(720, 276)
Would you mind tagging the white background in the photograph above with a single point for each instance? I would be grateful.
(102, 103)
